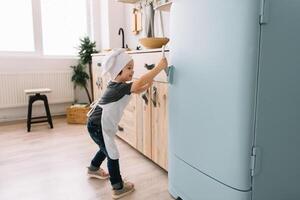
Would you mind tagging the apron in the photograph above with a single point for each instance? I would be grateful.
(111, 116)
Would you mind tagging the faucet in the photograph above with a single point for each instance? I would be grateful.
(122, 31)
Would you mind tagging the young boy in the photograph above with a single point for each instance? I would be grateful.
(106, 113)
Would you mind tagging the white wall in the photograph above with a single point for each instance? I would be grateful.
(117, 15)
(116, 19)
(130, 38)
(110, 15)
(33, 64)
(112, 19)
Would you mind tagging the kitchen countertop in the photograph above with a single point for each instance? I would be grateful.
(134, 51)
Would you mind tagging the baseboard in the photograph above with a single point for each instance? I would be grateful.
(20, 113)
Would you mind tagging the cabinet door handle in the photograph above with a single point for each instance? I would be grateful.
(154, 99)
(150, 66)
(99, 83)
(120, 128)
(145, 97)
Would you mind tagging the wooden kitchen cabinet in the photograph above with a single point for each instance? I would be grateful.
(144, 124)
(159, 121)
(99, 82)
(152, 123)
(128, 124)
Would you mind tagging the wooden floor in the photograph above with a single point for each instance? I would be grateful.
(50, 164)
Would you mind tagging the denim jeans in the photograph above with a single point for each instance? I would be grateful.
(95, 132)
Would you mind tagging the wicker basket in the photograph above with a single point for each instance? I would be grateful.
(76, 114)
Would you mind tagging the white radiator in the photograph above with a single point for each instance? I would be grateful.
(12, 86)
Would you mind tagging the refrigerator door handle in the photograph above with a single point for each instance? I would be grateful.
(170, 73)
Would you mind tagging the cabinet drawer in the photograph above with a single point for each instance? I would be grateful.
(147, 58)
(99, 82)
(140, 60)
(127, 125)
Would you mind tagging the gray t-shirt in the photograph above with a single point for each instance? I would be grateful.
(114, 92)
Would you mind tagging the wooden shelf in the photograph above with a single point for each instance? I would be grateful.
(128, 1)
(164, 6)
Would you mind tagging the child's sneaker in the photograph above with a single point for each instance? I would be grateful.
(127, 188)
(100, 174)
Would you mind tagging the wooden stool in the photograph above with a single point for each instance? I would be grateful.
(35, 95)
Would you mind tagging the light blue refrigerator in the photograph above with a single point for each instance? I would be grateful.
(234, 128)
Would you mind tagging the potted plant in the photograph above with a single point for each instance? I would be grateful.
(76, 114)
(80, 78)
(86, 49)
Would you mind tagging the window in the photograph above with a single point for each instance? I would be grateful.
(16, 24)
(64, 22)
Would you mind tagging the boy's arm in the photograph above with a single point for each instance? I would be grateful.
(144, 88)
(147, 78)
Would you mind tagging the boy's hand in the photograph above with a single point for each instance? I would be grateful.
(146, 80)
(163, 63)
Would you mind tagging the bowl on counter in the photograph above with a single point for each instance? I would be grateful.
(153, 42)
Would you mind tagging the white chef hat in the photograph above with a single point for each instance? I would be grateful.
(114, 62)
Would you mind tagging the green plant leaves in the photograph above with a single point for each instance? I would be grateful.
(79, 76)
(86, 48)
